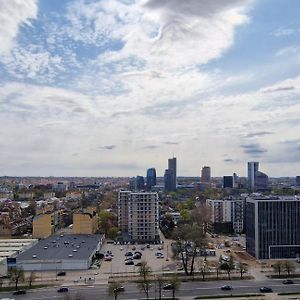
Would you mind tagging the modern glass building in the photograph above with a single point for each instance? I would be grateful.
(227, 182)
(257, 181)
(172, 167)
(272, 227)
(139, 183)
(151, 178)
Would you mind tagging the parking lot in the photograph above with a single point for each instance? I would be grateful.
(117, 264)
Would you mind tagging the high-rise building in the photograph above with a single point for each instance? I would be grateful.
(172, 166)
(168, 180)
(298, 180)
(138, 215)
(272, 227)
(256, 180)
(151, 178)
(139, 183)
(227, 182)
(205, 174)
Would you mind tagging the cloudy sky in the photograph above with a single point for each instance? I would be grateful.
(112, 87)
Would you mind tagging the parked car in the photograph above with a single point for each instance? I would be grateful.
(226, 288)
(62, 273)
(138, 252)
(137, 256)
(143, 248)
(266, 290)
(168, 286)
(133, 248)
(63, 290)
(129, 262)
(19, 292)
(288, 281)
(120, 289)
(128, 258)
(108, 258)
(128, 254)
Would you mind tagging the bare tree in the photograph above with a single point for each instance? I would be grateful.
(201, 215)
(16, 275)
(242, 267)
(203, 267)
(144, 285)
(32, 277)
(278, 267)
(160, 283)
(114, 288)
(228, 266)
(175, 285)
(289, 267)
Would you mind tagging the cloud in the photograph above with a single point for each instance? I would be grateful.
(150, 147)
(256, 134)
(279, 89)
(282, 32)
(13, 15)
(171, 143)
(108, 147)
(253, 149)
(228, 160)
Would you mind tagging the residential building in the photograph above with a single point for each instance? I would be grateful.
(227, 215)
(227, 182)
(205, 174)
(297, 180)
(138, 215)
(44, 225)
(151, 178)
(86, 221)
(257, 181)
(272, 226)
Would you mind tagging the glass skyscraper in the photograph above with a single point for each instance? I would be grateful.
(151, 178)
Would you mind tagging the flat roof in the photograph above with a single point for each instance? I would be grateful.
(63, 247)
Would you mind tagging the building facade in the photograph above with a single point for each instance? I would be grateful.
(151, 178)
(257, 181)
(272, 227)
(44, 225)
(170, 176)
(205, 174)
(227, 182)
(86, 222)
(139, 217)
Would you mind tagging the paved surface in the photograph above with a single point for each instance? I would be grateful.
(187, 291)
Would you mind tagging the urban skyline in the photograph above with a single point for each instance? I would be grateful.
(108, 88)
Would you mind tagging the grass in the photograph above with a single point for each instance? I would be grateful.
(229, 296)
(288, 293)
(283, 276)
(22, 287)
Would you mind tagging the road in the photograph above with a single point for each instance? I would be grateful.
(190, 289)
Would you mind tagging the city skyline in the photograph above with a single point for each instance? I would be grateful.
(111, 88)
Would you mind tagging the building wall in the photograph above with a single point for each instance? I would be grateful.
(123, 200)
(42, 226)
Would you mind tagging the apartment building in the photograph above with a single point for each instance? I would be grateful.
(86, 221)
(46, 224)
(138, 215)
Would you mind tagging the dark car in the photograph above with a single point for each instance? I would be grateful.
(63, 290)
(119, 289)
(130, 263)
(168, 286)
(128, 258)
(226, 288)
(61, 273)
(128, 254)
(138, 252)
(288, 281)
(266, 290)
(137, 256)
(19, 292)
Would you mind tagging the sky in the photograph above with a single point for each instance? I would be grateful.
(113, 87)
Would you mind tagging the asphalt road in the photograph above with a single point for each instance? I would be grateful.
(186, 289)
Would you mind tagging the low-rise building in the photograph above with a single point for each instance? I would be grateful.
(86, 221)
(46, 224)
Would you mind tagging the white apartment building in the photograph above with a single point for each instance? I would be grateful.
(138, 215)
(228, 210)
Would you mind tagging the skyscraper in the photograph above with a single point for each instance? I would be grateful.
(168, 180)
(172, 165)
(205, 174)
(139, 183)
(227, 182)
(256, 180)
(151, 178)
(298, 180)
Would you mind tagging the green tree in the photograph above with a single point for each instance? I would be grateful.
(114, 288)
(228, 266)
(112, 232)
(144, 272)
(16, 276)
(185, 214)
(107, 220)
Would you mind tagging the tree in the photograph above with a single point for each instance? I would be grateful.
(289, 267)
(107, 220)
(228, 266)
(203, 267)
(175, 285)
(242, 267)
(278, 267)
(114, 288)
(16, 275)
(189, 241)
(201, 215)
(160, 283)
(31, 279)
(112, 232)
(144, 272)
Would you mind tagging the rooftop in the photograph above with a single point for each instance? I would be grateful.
(63, 247)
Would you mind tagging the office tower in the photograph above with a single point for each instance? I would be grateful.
(256, 180)
(205, 174)
(297, 180)
(272, 227)
(227, 182)
(168, 180)
(140, 216)
(172, 166)
(151, 178)
(139, 183)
